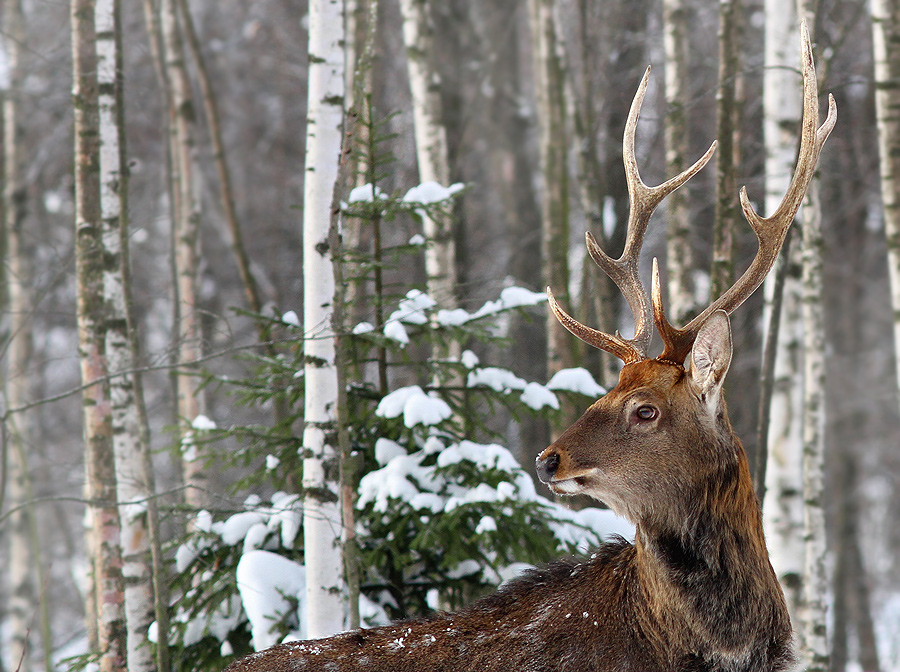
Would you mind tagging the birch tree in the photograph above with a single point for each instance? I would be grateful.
(431, 144)
(186, 229)
(679, 255)
(325, 601)
(815, 577)
(433, 161)
(134, 477)
(886, 44)
(783, 505)
(886, 47)
(91, 268)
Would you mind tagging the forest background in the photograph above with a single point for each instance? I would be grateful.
(530, 98)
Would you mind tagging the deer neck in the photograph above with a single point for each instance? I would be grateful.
(705, 570)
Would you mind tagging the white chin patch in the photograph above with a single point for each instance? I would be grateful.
(569, 487)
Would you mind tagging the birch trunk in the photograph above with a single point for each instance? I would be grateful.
(431, 145)
(154, 38)
(134, 483)
(815, 577)
(187, 255)
(22, 594)
(886, 45)
(325, 596)
(815, 572)
(549, 86)
(783, 505)
(679, 255)
(90, 269)
(431, 154)
(727, 208)
(886, 42)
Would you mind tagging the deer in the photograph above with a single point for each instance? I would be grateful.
(695, 590)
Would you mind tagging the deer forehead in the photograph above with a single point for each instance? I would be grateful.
(656, 378)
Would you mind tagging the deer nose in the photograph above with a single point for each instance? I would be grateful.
(546, 465)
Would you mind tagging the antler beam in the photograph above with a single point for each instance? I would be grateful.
(770, 231)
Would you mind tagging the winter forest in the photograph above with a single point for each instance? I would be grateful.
(277, 356)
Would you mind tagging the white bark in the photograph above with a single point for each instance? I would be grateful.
(106, 606)
(885, 28)
(129, 442)
(431, 144)
(783, 506)
(325, 594)
(816, 581)
(424, 84)
(431, 154)
(815, 576)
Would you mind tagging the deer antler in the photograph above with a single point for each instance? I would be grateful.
(770, 231)
(624, 270)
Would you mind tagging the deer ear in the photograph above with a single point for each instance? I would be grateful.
(711, 355)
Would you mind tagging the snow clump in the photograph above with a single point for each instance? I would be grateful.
(202, 423)
(366, 194)
(411, 310)
(267, 582)
(429, 193)
(576, 380)
(415, 405)
(534, 395)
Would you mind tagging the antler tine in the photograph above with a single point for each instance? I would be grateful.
(616, 345)
(770, 231)
(624, 271)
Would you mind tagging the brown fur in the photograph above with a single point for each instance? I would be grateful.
(694, 592)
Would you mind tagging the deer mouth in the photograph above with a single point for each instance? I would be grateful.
(567, 487)
(573, 485)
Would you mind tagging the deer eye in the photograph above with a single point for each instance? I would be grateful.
(646, 412)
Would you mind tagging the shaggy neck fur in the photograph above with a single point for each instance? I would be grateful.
(707, 579)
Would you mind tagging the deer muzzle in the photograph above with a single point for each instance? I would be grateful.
(546, 465)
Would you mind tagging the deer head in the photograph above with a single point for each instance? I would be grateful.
(663, 428)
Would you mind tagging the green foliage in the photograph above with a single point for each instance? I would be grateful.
(442, 519)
